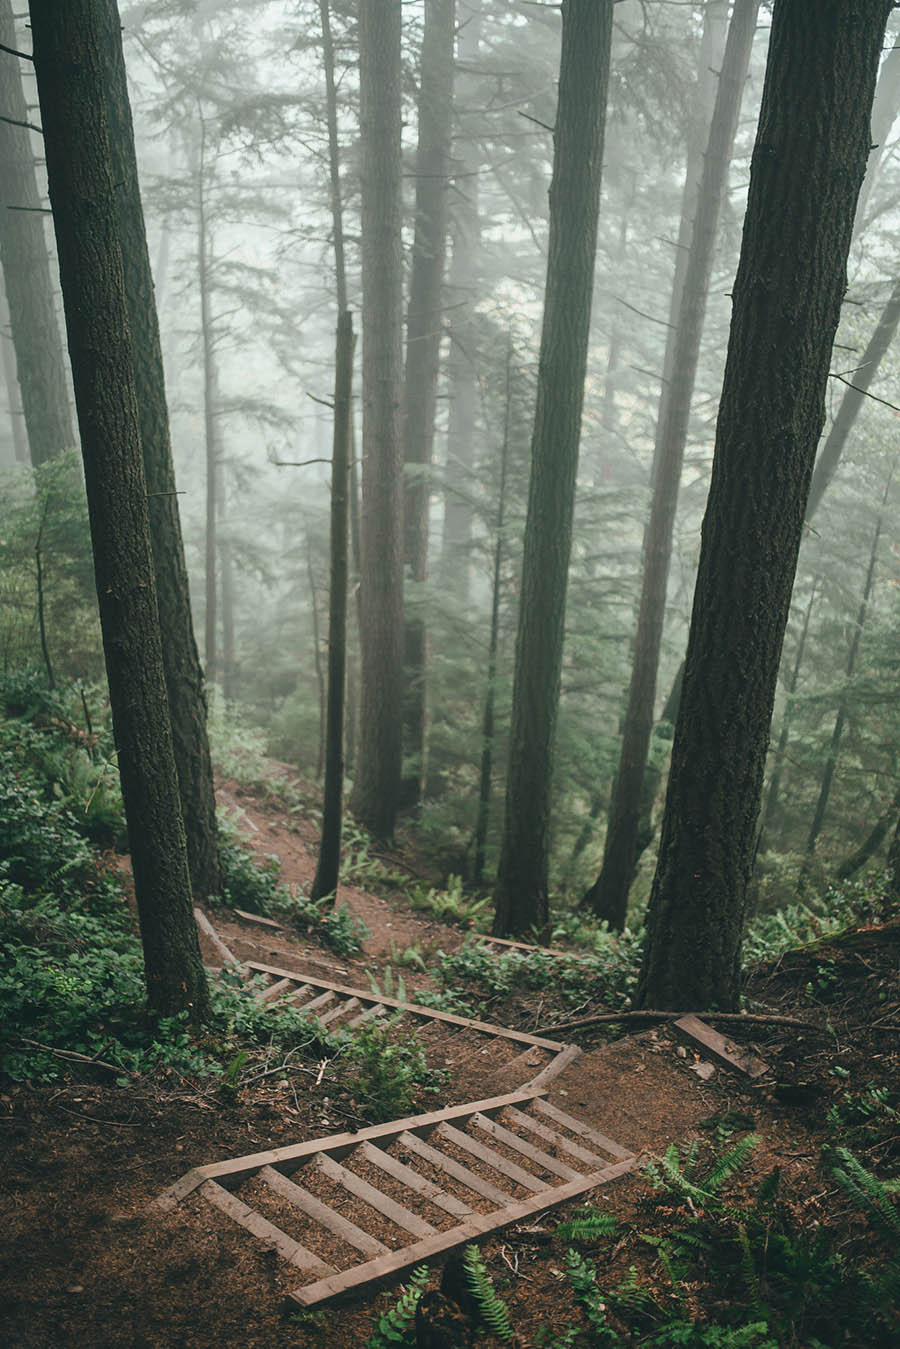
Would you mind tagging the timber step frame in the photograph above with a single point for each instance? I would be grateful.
(557, 1158)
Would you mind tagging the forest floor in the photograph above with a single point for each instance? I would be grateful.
(86, 1260)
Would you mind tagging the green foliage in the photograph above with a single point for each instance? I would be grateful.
(395, 1327)
(452, 904)
(871, 1194)
(587, 1225)
(837, 907)
(492, 1310)
(386, 1077)
(864, 1114)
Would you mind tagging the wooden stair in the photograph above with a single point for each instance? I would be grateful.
(426, 1184)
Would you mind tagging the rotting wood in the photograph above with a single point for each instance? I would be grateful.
(717, 1047)
(556, 1066)
(258, 918)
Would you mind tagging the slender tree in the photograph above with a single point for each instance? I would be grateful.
(609, 895)
(71, 87)
(328, 867)
(40, 362)
(808, 164)
(184, 677)
(376, 789)
(521, 891)
(423, 344)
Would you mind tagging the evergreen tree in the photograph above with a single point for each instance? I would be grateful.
(67, 54)
(808, 164)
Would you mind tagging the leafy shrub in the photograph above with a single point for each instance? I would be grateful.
(387, 1076)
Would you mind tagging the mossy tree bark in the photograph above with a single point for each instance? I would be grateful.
(376, 789)
(184, 677)
(68, 41)
(40, 362)
(521, 892)
(608, 897)
(808, 163)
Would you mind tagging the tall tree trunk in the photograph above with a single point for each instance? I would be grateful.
(40, 362)
(329, 863)
(870, 845)
(808, 164)
(423, 345)
(521, 892)
(184, 677)
(211, 435)
(609, 895)
(462, 360)
(317, 654)
(11, 380)
(67, 54)
(487, 723)
(853, 651)
(376, 790)
(784, 734)
(854, 397)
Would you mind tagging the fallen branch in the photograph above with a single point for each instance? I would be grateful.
(72, 1055)
(748, 1018)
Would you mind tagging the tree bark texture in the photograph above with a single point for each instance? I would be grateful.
(424, 331)
(69, 65)
(329, 863)
(184, 677)
(40, 363)
(521, 891)
(211, 431)
(376, 789)
(808, 163)
(609, 896)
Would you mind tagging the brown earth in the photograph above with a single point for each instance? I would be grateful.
(86, 1260)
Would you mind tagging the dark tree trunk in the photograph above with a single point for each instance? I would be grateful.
(808, 164)
(521, 892)
(184, 677)
(423, 345)
(870, 845)
(376, 790)
(211, 437)
(328, 868)
(317, 654)
(462, 358)
(487, 722)
(40, 362)
(784, 734)
(67, 45)
(837, 733)
(609, 896)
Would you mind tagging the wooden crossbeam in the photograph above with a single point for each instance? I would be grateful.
(326, 1217)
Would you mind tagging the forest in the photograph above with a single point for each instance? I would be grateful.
(448, 719)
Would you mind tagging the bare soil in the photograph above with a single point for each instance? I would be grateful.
(86, 1260)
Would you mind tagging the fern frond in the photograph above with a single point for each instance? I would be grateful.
(583, 1278)
(733, 1161)
(587, 1225)
(394, 1327)
(492, 1310)
(868, 1191)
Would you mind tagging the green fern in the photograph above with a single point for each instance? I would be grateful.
(492, 1311)
(732, 1162)
(869, 1192)
(588, 1225)
(395, 1327)
(583, 1278)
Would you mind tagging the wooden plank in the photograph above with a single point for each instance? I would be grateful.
(451, 1167)
(275, 990)
(314, 1208)
(582, 1130)
(344, 1006)
(407, 1176)
(526, 946)
(717, 1047)
(551, 1136)
(556, 1065)
(491, 1158)
(414, 1009)
(254, 1222)
(225, 955)
(321, 1001)
(512, 1140)
(381, 1202)
(258, 918)
(378, 1010)
(473, 1228)
(337, 1143)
